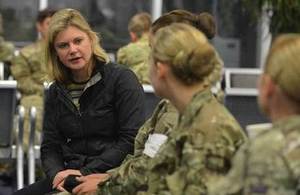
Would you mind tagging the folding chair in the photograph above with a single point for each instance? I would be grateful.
(241, 95)
(9, 151)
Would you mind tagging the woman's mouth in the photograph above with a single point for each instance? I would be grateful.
(75, 60)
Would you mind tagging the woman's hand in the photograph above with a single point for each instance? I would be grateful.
(89, 183)
(60, 177)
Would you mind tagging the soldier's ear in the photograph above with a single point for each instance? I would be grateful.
(162, 69)
(133, 37)
(268, 86)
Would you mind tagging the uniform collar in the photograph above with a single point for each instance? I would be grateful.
(288, 124)
(195, 105)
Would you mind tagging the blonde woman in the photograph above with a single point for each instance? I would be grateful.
(270, 163)
(93, 108)
(199, 150)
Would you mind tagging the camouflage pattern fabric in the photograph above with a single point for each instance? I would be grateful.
(29, 69)
(198, 151)
(135, 56)
(6, 50)
(269, 164)
(130, 176)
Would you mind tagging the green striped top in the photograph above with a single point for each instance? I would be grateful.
(75, 90)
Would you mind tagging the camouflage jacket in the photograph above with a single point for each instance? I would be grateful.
(135, 56)
(130, 176)
(29, 69)
(269, 164)
(6, 50)
(198, 151)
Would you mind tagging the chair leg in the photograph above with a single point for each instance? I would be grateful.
(20, 151)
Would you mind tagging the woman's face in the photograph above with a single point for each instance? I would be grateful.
(74, 49)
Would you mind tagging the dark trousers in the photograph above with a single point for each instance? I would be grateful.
(41, 187)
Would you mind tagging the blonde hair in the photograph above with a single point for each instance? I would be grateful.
(60, 21)
(283, 64)
(140, 23)
(191, 57)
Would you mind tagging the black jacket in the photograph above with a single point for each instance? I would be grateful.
(99, 135)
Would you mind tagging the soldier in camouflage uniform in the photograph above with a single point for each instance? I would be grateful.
(6, 48)
(270, 163)
(29, 69)
(135, 54)
(199, 150)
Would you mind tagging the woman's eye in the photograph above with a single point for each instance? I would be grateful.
(77, 41)
(62, 45)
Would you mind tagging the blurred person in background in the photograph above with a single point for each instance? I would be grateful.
(135, 54)
(6, 51)
(29, 69)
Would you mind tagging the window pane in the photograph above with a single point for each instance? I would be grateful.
(194, 6)
(236, 34)
(19, 19)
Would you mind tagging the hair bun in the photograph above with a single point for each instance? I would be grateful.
(206, 23)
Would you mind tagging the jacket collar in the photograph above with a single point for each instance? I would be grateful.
(195, 105)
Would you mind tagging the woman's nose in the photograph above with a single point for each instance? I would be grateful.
(73, 48)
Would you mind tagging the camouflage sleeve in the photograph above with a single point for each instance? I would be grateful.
(272, 171)
(142, 72)
(130, 176)
(260, 168)
(186, 178)
(6, 51)
(21, 71)
(122, 56)
(163, 119)
(232, 183)
(141, 137)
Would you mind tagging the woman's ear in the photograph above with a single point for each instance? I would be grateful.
(162, 69)
(269, 86)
